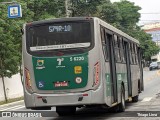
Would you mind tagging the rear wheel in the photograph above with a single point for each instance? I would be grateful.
(120, 107)
(122, 104)
(41, 108)
(65, 110)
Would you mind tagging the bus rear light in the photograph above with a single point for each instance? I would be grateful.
(27, 79)
(39, 97)
(85, 94)
(96, 74)
(60, 54)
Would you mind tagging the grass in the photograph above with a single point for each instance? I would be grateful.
(11, 100)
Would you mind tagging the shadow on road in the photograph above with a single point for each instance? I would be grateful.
(95, 113)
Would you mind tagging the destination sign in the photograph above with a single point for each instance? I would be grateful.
(60, 28)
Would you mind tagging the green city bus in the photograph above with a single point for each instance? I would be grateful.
(79, 61)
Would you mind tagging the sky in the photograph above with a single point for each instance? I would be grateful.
(150, 12)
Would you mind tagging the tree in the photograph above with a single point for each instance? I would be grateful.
(148, 46)
(8, 51)
(128, 24)
(83, 8)
(129, 15)
(109, 12)
(44, 9)
(10, 41)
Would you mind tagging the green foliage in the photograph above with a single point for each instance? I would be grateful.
(11, 100)
(128, 24)
(44, 9)
(10, 35)
(8, 51)
(129, 14)
(150, 48)
(109, 12)
(82, 8)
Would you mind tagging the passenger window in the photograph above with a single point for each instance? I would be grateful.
(130, 53)
(104, 44)
(117, 48)
(134, 57)
(122, 50)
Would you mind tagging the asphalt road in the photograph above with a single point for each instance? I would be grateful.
(152, 88)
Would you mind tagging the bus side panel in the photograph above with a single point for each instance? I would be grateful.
(27, 65)
(94, 58)
(105, 69)
(121, 79)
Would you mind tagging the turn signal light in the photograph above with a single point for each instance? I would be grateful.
(27, 79)
(96, 74)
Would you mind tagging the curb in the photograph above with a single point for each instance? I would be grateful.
(12, 103)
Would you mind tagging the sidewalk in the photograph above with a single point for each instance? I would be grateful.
(12, 103)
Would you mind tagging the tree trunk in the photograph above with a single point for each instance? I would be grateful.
(4, 89)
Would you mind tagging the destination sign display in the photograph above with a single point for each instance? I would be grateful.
(60, 28)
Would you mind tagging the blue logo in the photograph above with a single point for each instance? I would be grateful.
(41, 84)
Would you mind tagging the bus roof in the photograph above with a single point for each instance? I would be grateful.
(61, 20)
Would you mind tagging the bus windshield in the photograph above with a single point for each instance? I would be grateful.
(61, 35)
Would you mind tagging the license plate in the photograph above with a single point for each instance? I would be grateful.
(61, 84)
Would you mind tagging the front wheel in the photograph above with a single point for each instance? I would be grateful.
(65, 110)
(135, 98)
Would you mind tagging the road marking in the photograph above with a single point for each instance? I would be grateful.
(149, 78)
(158, 72)
(19, 108)
(146, 99)
(10, 108)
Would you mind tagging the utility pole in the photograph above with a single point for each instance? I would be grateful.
(68, 5)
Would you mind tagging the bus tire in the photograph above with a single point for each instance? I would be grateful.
(135, 98)
(41, 108)
(122, 104)
(114, 109)
(65, 110)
